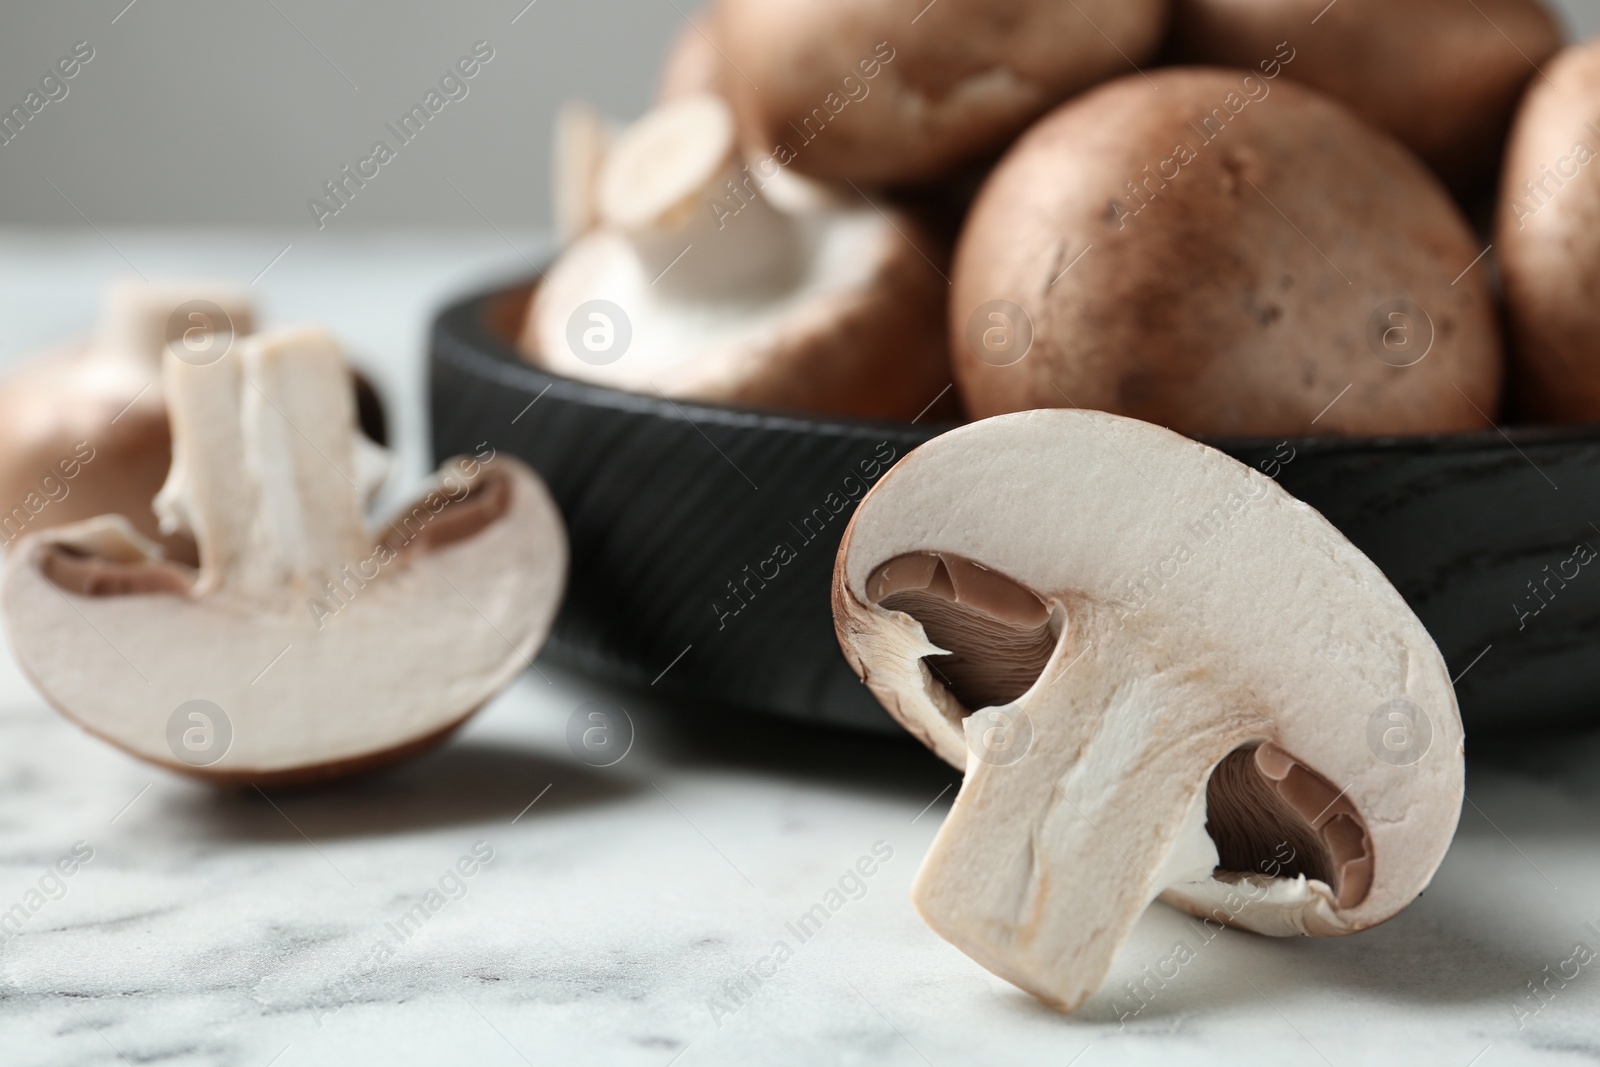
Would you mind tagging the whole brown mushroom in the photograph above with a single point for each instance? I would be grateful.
(1223, 254)
(1548, 240)
(1441, 75)
(891, 91)
(83, 428)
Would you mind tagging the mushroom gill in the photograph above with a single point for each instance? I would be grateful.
(75, 570)
(454, 519)
(998, 633)
(1271, 815)
(1268, 814)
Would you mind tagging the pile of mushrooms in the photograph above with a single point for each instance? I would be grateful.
(1269, 237)
(304, 645)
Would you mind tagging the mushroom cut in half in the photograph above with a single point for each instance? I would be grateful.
(305, 646)
(1163, 676)
(711, 279)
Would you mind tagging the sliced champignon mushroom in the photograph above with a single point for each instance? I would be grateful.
(313, 648)
(1441, 75)
(1163, 676)
(1222, 255)
(83, 430)
(702, 285)
(1549, 244)
(890, 92)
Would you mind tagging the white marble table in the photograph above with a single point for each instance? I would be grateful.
(612, 915)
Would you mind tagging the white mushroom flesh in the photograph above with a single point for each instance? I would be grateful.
(1189, 710)
(699, 257)
(300, 625)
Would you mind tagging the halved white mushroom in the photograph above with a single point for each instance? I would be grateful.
(304, 646)
(700, 284)
(1163, 675)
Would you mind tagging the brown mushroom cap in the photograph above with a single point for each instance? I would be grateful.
(1162, 675)
(1223, 254)
(904, 90)
(739, 288)
(298, 636)
(1441, 75)
(1548, 241)
(83, 428)
(57, 417)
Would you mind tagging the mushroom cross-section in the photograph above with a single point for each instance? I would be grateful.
(1163, 675)
(304, 646)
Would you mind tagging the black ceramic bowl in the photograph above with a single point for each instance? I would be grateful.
(677, 511)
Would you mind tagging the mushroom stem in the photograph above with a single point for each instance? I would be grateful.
(694, 214)
(577, 153)
(264, 471)
(1042, 889)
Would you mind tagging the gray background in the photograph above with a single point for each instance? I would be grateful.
(200, 113)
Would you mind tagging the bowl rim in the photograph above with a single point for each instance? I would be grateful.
(462, 333)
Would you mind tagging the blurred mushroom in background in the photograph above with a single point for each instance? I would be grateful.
(714, 279)
(1441, 75)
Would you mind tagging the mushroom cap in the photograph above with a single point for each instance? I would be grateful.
(1548, 241)
(95, 407)
(1224, 254)
(887, 91)
(299, 633)
(1440, 75)
(91, 413)
(1195, 610)
(860, 333)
